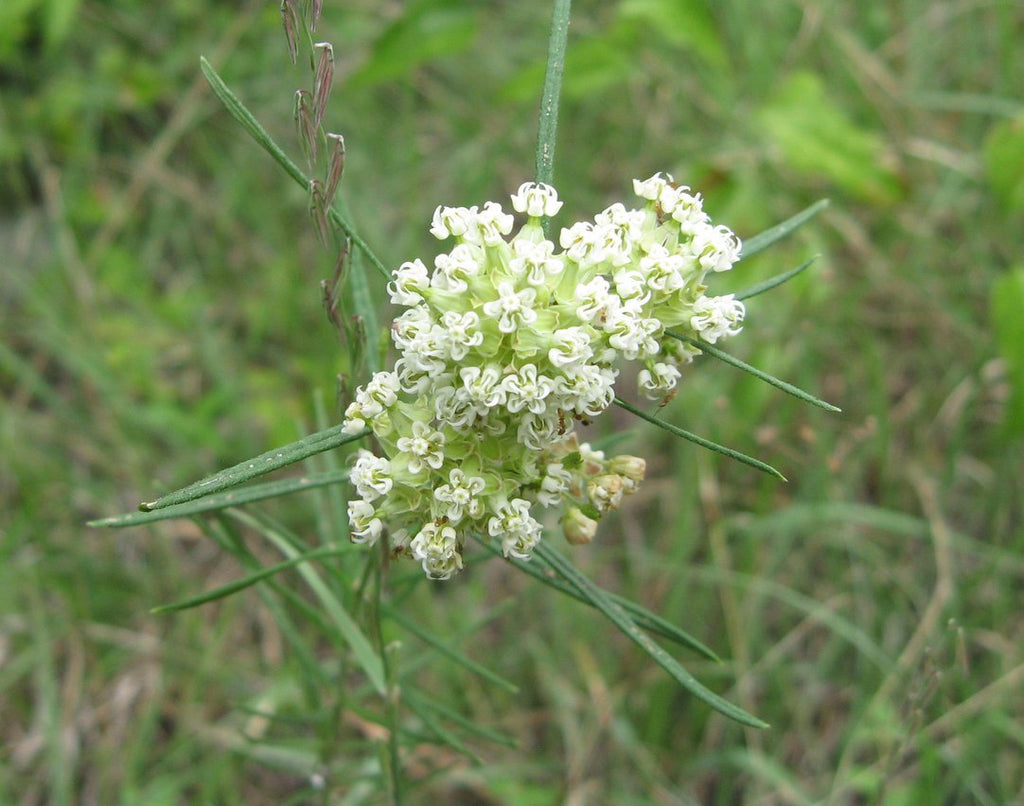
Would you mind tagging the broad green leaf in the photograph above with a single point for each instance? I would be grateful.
(721, 355)
(1004, 163)
(704, 443)
(684, 24)
(1007, 302)
(617, 616)
(425, 32)
(815, 137)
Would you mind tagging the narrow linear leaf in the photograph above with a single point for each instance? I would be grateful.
(644, 618)
(441, 733)
(704, 443)
(456, 718)
(251, 468)
(772, 282)
(819, 611)
(617, 616)
(245, 582)
(252, 127)
(364, 306)
(346, 626)
(765, 239)
(246, 495)
(448, 651)
(721, 355)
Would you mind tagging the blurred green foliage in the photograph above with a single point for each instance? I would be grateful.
(161, 318)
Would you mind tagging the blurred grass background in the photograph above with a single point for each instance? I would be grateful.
(161, 318)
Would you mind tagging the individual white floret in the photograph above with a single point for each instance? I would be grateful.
(483, 387)
(618, 232)
(664, 271)
(364, 525)
(425, 447)
(651, 189)
(536, 199)
(452, 271)
(437, 549)
(581, 243)
(535, 261)
(631, 284)
(410, 283)
(539, 432)
(586, 389)
(518, 531)
(527, 389)
(716, 248)
(513, 309)
(717, 317)
(454, 406)
(460, 496)
(686, 209)
(463, 333)
(658, 381)
(555, 484)
(408, 327)
(490, 226)
(452, 222)
(418, 375)
(595, 300)
(379, 394)
(371, 476)
(571, 346)
(633, 336)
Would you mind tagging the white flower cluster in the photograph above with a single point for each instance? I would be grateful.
(505, 344)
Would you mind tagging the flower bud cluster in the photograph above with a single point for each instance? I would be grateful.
(506, 343)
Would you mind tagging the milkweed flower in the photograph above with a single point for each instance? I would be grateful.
(505, 345)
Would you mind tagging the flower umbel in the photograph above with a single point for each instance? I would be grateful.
(510, 341)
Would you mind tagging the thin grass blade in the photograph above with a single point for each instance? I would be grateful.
(247, 495)
(245, 582)
(704, 443)
(252, 127)
(643, 617)
(449, 652)
(763, 240)
(364, 306)
(617, 616)
(772, 282)
(458, 719)
(721, 355)
(257, 466)
(439, 731)
(347, 629)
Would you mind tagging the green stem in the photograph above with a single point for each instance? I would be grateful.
(388, 657)
(548, 125)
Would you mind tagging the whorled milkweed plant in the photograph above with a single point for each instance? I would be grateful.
(508, 339)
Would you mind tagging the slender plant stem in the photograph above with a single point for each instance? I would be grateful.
(547, 129)
(391, 687)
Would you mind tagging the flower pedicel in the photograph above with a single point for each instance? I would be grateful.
(508, 342)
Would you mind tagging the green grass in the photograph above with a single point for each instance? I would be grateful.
(161, 319)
